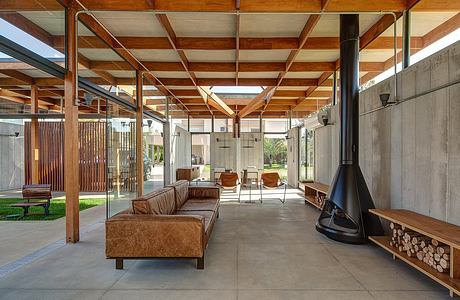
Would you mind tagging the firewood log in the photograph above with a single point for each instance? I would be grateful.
(441, 269)
(437, 257)
(431, 248)
(420, 255)
(445, 264)
(444, 249)
(425, 249)
(434, 242)
(446, 256)
(394, 225)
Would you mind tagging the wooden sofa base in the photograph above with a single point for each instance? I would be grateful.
(119, 260)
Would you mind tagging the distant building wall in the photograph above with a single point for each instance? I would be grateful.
(11, 156)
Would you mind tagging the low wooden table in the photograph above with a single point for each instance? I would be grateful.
(440, 231)
(315, 193)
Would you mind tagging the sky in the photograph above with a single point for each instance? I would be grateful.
(11, 32)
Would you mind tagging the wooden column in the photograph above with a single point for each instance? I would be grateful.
(139, 134)
(34, 134)
(71, 171)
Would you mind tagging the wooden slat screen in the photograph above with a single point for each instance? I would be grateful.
(92, 148)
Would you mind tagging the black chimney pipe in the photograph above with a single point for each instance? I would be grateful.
(345, 216)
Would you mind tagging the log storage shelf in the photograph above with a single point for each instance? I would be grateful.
(315, 193)
(427, 244)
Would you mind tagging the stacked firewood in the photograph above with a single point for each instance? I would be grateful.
(432, 252)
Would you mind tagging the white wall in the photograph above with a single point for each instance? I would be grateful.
(181, 150)
(293, 157)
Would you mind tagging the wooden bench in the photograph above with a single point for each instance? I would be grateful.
(315, 193)
(40, 194)
(434, 229)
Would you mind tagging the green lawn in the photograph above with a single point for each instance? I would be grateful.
(57, 209)
(282, 171)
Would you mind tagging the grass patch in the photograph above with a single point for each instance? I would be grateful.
(282, 171)
(57, 209)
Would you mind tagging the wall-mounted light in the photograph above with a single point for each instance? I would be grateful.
(247, 146)
(384, 99)
(224, 146)
(16, 134)
(88, 99)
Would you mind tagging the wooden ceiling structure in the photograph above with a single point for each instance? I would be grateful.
(185, 48)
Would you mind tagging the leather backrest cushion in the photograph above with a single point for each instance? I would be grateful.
(181, 190)
(160, 202)
(140, 206)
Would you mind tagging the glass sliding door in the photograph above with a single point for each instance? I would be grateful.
(306, 155)
(201, 154)
(275, 154)
(121, 158)
(153, 155)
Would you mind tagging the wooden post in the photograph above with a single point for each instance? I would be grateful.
(34, 134)
(71, 167)
(139, 134)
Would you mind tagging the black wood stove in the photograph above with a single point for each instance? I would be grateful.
(345, 215)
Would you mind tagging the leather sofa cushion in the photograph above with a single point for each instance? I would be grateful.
(206, 192)
(181, 192)
(161, 202)
(200, 204)
(209, 218)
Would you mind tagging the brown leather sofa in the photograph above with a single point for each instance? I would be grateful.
(174, 222)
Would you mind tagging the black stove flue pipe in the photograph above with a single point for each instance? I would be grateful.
(345, 215)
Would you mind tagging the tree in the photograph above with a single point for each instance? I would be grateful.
(275, 150)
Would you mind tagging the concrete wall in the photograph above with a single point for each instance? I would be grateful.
(326, 149)
(12, 156)
(410, 152)
(251, 156)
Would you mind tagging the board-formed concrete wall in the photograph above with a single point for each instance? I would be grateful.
(410, 152)
(327, 139)
(12, 156)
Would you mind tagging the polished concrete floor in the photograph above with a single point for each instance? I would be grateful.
(257, 251)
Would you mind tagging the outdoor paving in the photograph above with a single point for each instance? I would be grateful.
(257, 251)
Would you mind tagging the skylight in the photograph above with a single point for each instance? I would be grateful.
(26, 40)
(237, 89)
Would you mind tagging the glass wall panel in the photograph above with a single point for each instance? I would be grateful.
(153, 155)
(40, 31)
(121, 158)
(201, 154)
(223, 125)
(275, 154)
(310, 155)
(250, 125)
(200, 125)
(15, 84)
(275, 125)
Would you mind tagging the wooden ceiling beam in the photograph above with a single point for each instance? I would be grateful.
(318, 66)
(300, 82)
(18, 75)
(273, 6)
(164, 21)
(223, 43)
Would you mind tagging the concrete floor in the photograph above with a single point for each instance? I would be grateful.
(257, 251)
